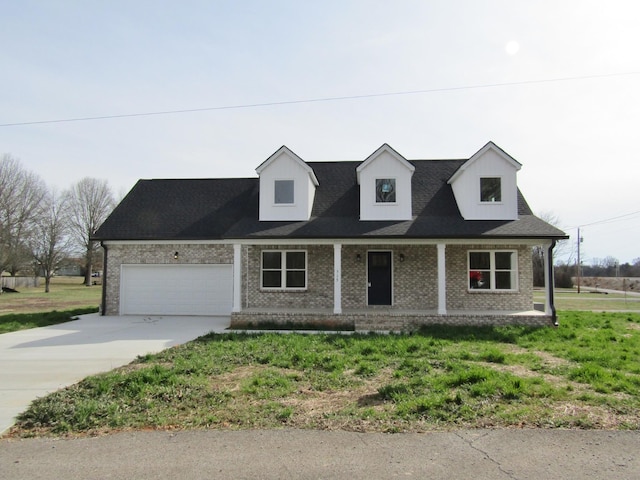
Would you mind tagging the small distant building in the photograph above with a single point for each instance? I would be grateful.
(69, 270)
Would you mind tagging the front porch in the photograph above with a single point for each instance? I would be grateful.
(428, 284)
(381, 319)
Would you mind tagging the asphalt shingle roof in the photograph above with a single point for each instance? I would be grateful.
(210, 209)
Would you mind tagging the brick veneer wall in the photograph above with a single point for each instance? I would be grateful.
(319, 291)
(156, 254)
(354, 276)
(378, 321)
(415, 280)
(459, 297)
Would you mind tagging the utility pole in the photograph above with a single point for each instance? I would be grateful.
(578, 273)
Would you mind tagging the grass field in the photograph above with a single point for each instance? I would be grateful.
(569, 299)
(66, 293)
(13, 322)
(583, 374)
(31, 307)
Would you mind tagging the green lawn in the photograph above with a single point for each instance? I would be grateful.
(32, 307)
(22, 321)
(583, 374)
(66, 293)
(570, 299)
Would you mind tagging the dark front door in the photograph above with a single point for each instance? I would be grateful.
(379, 278)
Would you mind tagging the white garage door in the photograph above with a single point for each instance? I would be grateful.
(176, 289)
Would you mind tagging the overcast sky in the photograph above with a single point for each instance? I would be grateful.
(554, 83)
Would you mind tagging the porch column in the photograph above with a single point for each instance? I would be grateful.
(337, 278)
(237, 276)
(549, 283)
(442, 280)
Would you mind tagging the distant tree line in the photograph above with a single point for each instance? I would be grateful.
(565, 273)
(40, 228)
(611, 267)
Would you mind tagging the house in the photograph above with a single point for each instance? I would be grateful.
(384, 243)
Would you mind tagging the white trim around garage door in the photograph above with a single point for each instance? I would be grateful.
(153, 289)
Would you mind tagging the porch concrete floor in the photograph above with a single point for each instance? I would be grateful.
(392, 312)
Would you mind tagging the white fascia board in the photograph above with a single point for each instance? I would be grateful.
(343, 241)
(489, 146)
(383, 148)
(291, 154)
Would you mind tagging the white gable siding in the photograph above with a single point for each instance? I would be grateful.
(384, 165)
(466, 187)
(285, 166)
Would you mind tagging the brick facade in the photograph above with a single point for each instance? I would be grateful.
(414, 279)
(156, 254)
(319, 291)
(415, 288)
(379, 321)
(459, 297)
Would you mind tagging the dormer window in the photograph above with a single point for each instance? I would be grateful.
(283, 192)
(490, 189)
(485, 186)
(385, 186)
(287, 188)
(385, 190)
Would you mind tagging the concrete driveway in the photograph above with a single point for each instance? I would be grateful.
(41, 360)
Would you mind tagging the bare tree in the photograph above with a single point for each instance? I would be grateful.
(50, 241)
(89, 202)
(21, 192)
(539, 251)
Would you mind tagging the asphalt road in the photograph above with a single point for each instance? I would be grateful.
(306, 454)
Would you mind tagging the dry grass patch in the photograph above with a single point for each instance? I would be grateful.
(309, 406)
(593, 416)
(309, 402)
(584, 374)
(231, 381)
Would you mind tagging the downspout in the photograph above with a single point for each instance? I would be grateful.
(551, 286)
(103, 303)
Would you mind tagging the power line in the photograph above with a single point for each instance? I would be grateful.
(635, 227)
(317, 100)
(606, 220)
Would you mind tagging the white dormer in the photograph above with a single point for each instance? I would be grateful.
(385, 186)
(287, 187)
(485, 186)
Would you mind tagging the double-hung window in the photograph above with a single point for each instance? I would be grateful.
(283, 192)
(493, 270)
(385, 190)
(284, 269)
(490, 189)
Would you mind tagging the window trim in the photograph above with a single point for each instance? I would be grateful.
(515, 277)
(375, 190)
(283, 270)
(293, 185)
(491, 202)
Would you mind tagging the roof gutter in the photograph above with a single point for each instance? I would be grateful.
(551, 286)
(103, 302)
